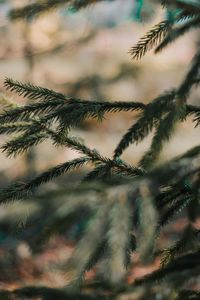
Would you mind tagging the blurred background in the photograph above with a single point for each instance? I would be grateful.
(83, 54)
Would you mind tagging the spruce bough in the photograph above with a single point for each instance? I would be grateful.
(126, 206)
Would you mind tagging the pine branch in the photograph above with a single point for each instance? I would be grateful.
(88, 245)
(118, 237)
(37, 133)
(42, 107)
(189, 238)
(98, 173)
(177, 207)
(38, 8)
(167, 196)
(5, 102)
(148, 219)
(21, 190)
(182, 185)
(150, 40)
(190, 79)
(34, 133)
(100, 251)
(163, 133)
(35, 9)
(160, 33)
(175, 33)
(75, 144)
(68, 115)
(120, 167)
(23, 143)
(76, 112)
(166, 126)
(67, 111)
(191, 153)
(56, 172)
(188, 262)
(31, 91)
(153, 112)
(174, 172)
(24, 113)
(15, 127)
(94, 155)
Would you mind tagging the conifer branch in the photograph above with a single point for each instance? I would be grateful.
(170, 171)
(188, 262)
(31, 91)
(100, 251)
(68, 111)
(191, 77)
(94, 155)
(23, 143)
(176, 208)
(40, 7)
(149, 118)
(20, 190)
(98, 172)
(163, 133)
(79, 262)
(148, 221)
(191, 153)
(150, 40)
(189, 237)
(15, 127)
(24, 113)
(169, 195)
(162, 33)
(175, 33)
(166, 126)
(118, 236)
(36, 8)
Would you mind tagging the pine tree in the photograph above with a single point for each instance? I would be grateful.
(126, 207)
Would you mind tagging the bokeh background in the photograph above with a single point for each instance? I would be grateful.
(86, 55)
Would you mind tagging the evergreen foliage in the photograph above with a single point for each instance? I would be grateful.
(126, 207)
